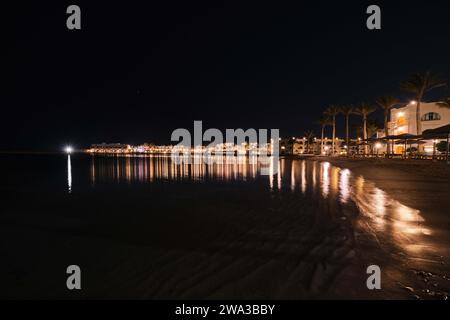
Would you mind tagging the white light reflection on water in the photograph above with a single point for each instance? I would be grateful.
(314, 176)
(279, 175)
(385, 217)
(148, 168)
(389, 219)
(303, 177)
(344, 185)
(293, 182)
(69, 174)
(325, 178)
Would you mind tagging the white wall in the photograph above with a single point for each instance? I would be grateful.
(403, 120)
(408, 114)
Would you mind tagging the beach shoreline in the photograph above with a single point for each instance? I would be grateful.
(309, 234)
(421, 186)
(401, 178)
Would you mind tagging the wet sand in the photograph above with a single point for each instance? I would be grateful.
(308, 234)
(425, 187)
(259, 246)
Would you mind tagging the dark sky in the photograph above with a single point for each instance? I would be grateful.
(138, 70)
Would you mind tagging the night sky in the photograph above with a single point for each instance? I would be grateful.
(138, 70)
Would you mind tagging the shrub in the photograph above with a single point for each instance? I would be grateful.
(442, 146)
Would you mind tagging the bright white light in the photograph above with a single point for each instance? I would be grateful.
(413, 102)
(327, 148)
(68, 149)
(69, 174)
(378, 145)
(428, 149)
(401, 114)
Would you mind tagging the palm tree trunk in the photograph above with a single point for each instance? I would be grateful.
(334, 135)
(347, 133)
(365, 135)
(418, 118)
(386, 132)
(418, 112)
(418, 122)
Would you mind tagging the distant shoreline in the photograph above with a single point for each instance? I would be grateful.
(31, 152)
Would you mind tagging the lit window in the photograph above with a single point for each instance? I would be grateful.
(431, 116)
(401, 121)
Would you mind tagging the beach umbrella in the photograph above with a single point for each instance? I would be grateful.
(402, 139)
(389, 139)
(443, 131)
(439, 133)
(405, 136)
(411, 141)
(372, 139)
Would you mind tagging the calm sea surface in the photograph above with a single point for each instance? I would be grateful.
(145, 227)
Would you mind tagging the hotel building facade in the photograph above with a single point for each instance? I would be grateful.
(403, 120)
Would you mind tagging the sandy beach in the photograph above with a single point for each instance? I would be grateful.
(424, 186)
(416, 183)
(310, 233)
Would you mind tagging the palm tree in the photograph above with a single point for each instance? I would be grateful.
(309, 136)
(387, 103)
(347, 111)
(358, 129)
(419, 84)
(332, 112)
(372, 129)
(324, 122)
(364, 110)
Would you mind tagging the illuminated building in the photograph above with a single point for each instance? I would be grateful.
(403, 121)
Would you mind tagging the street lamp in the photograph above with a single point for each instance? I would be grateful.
(68, 149)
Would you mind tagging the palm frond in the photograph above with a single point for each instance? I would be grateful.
(387, 102)
(347, 110)
(365, 109)
(332, 111)
(421, 83)
(325, 121)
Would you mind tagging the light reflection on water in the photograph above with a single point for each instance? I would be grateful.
(152, 168)
(69, 174)
(382, 215)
